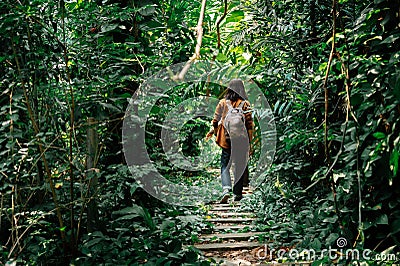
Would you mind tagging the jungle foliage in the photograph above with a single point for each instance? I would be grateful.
(330, 70)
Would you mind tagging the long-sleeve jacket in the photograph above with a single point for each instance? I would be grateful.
(218, 121)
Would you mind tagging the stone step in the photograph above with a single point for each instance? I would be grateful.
(231, 220)
(228, 246)
(224, 227)
(235, 236)
(230, 214)
(222, 209)
(233, 228)
(232, 204)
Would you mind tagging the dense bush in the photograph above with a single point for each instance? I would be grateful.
(347, 184)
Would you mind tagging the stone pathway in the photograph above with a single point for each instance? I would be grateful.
(234, 239)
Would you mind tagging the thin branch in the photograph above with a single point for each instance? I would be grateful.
(13, 225)
(85, 200)
(71, 130)
(219, 22)
(349, 110)
(327, 156)
(26, 230)
(36, 129)
(218, 43)
(383, 240)
(200, 29)
(272, 10)
(42, 154)
(196, 55)
(325, 86)
(1, 208)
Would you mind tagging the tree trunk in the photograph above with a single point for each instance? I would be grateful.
(92, 141)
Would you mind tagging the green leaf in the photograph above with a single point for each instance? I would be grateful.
(394, 162)
(174, 256)
(330, 220)
(221, 57)
(128, 217)
(383, 219)
(93, 242)
(395, 226)
(332, 239)
(379, 135)
(337, 176)
(356, 99)
(168, 262)
(191, 256)
(129, 210)
(161, 261)
(152, 25)
(377, 207)
(388, 251)
(393, 204)
(147, 10)
(391, 39)
(109, 27)
(148, 219)
(235, 16)
(175, 245)
(316, 244)
(134, 187)
(394, 82)
(109, 106)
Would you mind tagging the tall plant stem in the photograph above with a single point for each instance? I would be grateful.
(326, 89)
(71, 131)
(42, 151)
(218, 42)
(218, 24)
(1, 208)
(196, 55)
(199, 30)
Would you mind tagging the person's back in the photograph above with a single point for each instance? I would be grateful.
(222, 136)
(233, 127)
(235, 122)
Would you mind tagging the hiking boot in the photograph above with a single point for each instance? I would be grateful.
(237, 197)
(225, 196)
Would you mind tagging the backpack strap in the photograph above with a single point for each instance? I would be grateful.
(229, 104)
(230, 107)
(241, 105)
